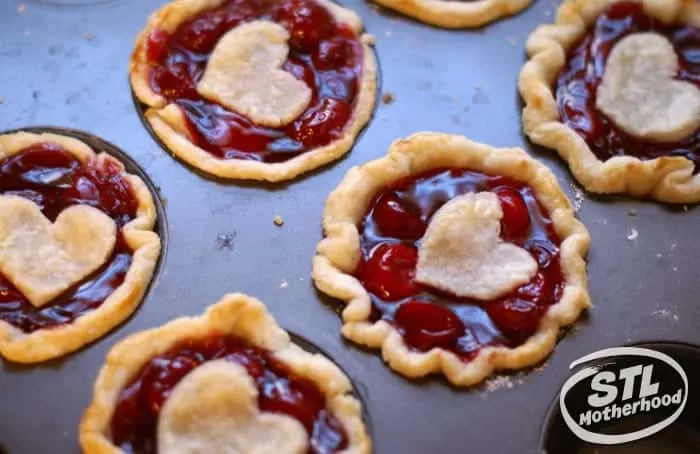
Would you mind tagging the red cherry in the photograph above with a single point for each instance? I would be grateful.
(84, 191)
(156, 44)
(306, 21)
(516, 217)
(322, 123)
(397, 218)
(299, 399)
(174, 82)
(538, 290)
(202, 34)
(426, 326)
(518, 319)
(253, 364)
(333, 53)
(160, 380)
(390, 271)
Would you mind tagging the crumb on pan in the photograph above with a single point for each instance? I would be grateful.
(388, 97)
(633, 235)
(279, 222)
(579, 198)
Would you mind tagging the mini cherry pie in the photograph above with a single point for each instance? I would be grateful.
(230, 380)
(457, 13)
(614, 87)
(453, 257)
(255, 89)
(77, 250)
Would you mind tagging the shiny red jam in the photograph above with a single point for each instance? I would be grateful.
(134, 424)
(427, 318)
(327, 55)
(578, 83)
(55, 179)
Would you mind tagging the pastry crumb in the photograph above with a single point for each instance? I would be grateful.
(225, 240)
(659, 255)
(579, 198)
(88, 36)
(388, 97)
(512, 40)
(498, 382)
(633, 235)
(685, 208)
(666, 314)
(632, 212)
(369, 39)
(279, 222)
(674, 245)
(21, 8)
(479, 97)
(284, 283)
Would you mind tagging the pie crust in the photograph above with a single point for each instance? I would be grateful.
(456, 13)
(169, 123)
(667, 179)
(339, 253)
(236, 314)
(44, 344)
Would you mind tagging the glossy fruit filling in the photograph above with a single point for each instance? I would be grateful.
(428, 318)
(324, 53)
(135, 420)
(578, 83)
(54, 179)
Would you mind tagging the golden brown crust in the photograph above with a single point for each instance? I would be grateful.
(668, 179)
(235, 314)
(169, 124)
(145, 245)
(339, 253)
(455, 13)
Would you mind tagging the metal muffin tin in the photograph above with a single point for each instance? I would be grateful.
(66, 66)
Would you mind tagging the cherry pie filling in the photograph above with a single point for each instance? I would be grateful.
(578, 83)
(134, 424)
(54, 179)
(428, 318)
(324, 53)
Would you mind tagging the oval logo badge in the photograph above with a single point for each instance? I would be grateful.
(624, 394)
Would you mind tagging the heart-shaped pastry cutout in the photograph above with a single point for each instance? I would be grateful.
(462, 251)
(214, 409)
(43, 259)
(639, 92)
(244, 75)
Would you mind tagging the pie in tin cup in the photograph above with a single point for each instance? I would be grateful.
(614, 87)
(77, 246)
(456, 13)
(258, 90)
(230, 380)
(453, 257)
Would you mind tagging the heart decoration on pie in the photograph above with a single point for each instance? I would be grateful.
(614, 87)
(230, 380)
(453, 257)
(257, 90)
(77, 247)
(457, 13)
